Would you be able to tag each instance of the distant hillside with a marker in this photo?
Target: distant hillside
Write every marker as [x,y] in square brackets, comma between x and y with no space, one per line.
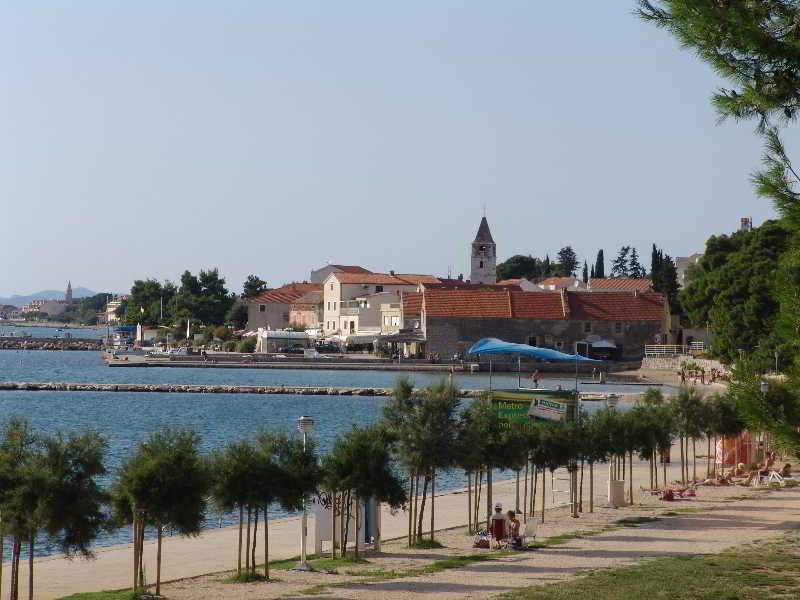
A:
[18,300]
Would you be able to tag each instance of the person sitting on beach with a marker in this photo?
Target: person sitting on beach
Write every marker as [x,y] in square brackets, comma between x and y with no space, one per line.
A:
[514,527]
[498,525]
[786,471]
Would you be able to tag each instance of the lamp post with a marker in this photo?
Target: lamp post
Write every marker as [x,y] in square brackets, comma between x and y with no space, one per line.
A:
[304,425]
[764,388]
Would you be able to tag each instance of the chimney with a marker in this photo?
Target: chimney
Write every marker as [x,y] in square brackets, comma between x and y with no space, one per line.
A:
[391,272]
[461,277]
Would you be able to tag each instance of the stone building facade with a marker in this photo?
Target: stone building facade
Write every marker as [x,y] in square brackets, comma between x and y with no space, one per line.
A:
[454,320]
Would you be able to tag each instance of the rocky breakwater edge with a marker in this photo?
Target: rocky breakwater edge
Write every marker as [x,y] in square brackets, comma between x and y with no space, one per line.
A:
[202,389]
[31,343]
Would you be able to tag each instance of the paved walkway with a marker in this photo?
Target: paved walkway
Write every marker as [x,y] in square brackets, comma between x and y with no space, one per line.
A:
[732,524]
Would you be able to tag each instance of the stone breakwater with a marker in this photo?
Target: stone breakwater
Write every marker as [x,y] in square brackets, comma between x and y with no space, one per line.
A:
[201,389]
[31,343]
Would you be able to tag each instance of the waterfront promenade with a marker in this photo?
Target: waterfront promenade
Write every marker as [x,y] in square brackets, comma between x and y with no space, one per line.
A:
[215,550]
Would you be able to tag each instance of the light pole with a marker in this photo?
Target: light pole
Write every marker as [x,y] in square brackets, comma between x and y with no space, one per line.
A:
[304,425]
[764,388]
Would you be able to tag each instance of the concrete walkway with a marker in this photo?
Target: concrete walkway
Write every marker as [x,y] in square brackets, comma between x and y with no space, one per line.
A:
[215,550]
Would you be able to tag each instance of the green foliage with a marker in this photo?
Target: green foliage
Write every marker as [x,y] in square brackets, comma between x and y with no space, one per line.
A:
[525,267]
[361,461]
[568,261]
[247,345]
[777,411]
[733,287]
[768,570]
[635,268]
[167,478]
[600,265]
[203,298]
[253,286]
[664,276]
[237,315]
[619,267]
[145,301]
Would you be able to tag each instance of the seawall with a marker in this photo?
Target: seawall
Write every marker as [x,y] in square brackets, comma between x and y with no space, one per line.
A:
[32,343]
[201,389]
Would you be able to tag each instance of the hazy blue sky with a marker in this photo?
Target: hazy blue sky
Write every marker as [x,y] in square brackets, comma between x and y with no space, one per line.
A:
[143,138]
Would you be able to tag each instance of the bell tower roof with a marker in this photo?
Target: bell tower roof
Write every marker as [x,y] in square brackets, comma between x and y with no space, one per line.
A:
[484,235]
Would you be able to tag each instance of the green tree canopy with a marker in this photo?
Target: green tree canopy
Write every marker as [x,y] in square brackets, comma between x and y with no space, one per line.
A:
[733,288]
[253,286]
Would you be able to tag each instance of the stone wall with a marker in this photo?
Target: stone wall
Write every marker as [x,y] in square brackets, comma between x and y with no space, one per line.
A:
[673,363]
[447,335]
[30,343]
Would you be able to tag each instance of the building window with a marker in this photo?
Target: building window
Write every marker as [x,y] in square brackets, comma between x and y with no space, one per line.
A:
[617,327]
[559,344]
[587,327]
[533,340]
[331,286]
[329,304]
[262,308]
[396,321]
[481,265]
[334,306]
[378,288]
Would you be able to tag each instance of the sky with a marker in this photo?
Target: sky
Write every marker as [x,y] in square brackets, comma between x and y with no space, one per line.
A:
[140,139]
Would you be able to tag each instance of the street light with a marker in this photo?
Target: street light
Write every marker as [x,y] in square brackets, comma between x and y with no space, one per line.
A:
[304,425]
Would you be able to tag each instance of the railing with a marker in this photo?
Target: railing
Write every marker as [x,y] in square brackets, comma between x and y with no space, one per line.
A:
[673,349]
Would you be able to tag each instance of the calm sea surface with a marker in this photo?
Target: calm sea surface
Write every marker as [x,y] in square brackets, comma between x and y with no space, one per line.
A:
[127,418]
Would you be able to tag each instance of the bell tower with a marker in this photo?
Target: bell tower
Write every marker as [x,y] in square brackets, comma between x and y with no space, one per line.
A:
[484,256]
[68,295]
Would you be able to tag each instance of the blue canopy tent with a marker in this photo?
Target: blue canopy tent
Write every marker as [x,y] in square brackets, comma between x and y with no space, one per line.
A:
[497,346]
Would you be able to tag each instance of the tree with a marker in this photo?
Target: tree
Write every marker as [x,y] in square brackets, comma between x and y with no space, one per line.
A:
[568,261]
[620,268]
[49,486]
[203,298]
[165,483]
[146,300]
[360,466]
[755,47]
[253,286]
[521,267]
[664,275]
[600,265]
[585,272]
[733,288]
[237,315]
[635,268]
[424,427]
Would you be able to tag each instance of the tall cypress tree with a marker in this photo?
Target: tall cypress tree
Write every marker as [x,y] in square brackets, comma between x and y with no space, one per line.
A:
[585,272]
[600,265]
[620,268]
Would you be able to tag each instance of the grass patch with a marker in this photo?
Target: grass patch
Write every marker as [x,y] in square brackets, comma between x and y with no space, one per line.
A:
[426,544]
[753,572]
[563,538]
[244,578]
[635,521]
[107,595]
[331,564]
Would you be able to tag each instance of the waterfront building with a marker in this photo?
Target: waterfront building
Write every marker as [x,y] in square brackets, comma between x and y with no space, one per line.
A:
[271,309]
[615,324]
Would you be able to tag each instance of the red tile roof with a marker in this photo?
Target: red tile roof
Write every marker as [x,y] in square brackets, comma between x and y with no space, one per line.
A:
[557,281]
[384,278]
[579,306]
[416,278]
[537,305]
[620,284]
[285,294]
[350,269]
[457,284]
[412,304]
[467,303]
[616,306]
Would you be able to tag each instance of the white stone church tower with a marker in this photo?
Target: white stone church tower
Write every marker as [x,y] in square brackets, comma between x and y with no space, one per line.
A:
[484,256]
